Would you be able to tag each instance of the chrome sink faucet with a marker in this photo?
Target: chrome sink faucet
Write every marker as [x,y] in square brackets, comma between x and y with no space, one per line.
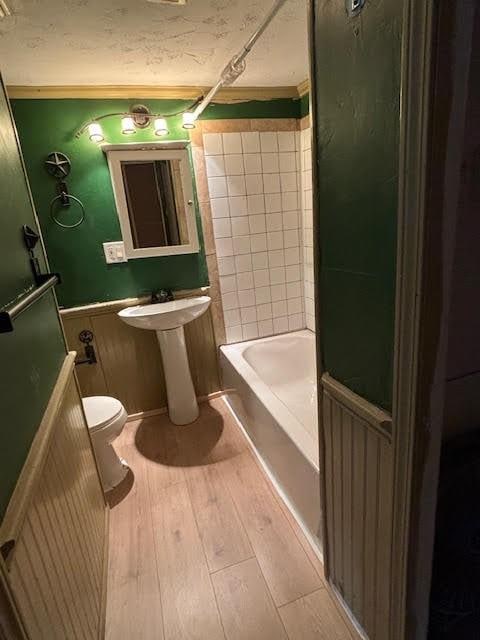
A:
[164,295]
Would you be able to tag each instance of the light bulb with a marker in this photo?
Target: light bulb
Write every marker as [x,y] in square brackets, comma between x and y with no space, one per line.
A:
[128,126]
[95,132]
[189,119]
[160,127]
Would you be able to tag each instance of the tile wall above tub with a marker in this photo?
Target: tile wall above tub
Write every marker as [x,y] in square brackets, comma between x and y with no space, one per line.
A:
[253,182]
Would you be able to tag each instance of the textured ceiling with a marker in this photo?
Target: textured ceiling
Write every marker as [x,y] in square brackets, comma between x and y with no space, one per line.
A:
[121,42]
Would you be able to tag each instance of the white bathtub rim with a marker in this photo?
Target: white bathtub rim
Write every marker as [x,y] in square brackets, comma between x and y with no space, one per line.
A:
[278,488]
[296,431]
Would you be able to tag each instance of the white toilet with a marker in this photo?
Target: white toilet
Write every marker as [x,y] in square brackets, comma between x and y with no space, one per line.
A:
[106,418]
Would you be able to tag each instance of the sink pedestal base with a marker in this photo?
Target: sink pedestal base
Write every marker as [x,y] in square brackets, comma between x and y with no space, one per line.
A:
[182,402]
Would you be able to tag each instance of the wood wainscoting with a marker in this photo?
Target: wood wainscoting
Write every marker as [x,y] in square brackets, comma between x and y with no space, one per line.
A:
[129,364]
[58,519]
[358,497]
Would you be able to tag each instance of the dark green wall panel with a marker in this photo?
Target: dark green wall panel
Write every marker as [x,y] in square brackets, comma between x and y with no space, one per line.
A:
[30,356]
[357,127]
[50,125]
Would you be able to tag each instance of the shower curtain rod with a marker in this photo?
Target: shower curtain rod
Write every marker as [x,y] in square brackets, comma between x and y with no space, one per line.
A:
[237,64]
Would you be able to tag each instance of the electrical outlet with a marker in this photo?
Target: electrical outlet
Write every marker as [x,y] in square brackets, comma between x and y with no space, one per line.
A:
[114,252]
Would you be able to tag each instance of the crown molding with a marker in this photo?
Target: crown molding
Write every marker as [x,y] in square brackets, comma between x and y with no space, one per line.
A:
[303,88]
[225,95]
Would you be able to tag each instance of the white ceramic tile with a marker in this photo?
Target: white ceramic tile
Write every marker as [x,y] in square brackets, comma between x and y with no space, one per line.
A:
[286,140]
[263,295]
[279,292]
[270,163]
[243,263]
[232,143]
[228,284]
[276,258]
[236,185]
[220,208]
[277,276]
[290,201]
[257,223]
[294,306]
[291,238]
[279,308]
[295,322]
[292,273]
[222,228]
[309,307]
[251,142]
[268,141]
[215,166]
[238,206]
[245,280]
[259,242]
[231,317]
[255,204]
[273,202]
[260,260]
[264,311]
[274,240]
[287,162]
[234,165]
[291,220]
[292,255]
[224,247]
[271,182]
[280,325]
[226,266]
[254,184]
[240,226]
[234,334]
[265,328]
[294,289]
[246,298]
[261,277]
[230,301]
[250,331]
[212,144]
[248,314]
[253,163]
[288,182]
[274,222]
[241,245]
[217,187]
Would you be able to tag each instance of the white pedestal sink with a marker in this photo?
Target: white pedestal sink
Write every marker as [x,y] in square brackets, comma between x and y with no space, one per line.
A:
[168,320]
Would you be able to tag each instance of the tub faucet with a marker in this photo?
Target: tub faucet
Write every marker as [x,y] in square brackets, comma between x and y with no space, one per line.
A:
[164,295]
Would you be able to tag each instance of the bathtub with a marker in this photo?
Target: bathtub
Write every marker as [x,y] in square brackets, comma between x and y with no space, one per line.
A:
[271,388]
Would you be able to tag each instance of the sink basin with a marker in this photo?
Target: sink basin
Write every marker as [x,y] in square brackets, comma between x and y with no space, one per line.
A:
[166,315]
[168,319]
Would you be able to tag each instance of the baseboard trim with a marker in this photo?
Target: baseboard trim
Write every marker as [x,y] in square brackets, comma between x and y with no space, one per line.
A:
[158,412]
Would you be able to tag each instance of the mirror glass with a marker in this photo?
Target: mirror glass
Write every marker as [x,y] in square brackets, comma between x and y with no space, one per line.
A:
[153,190]
[155,202]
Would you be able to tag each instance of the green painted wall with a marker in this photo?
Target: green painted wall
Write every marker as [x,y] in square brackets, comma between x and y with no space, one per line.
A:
[32,354]
[50,125]
[357,125]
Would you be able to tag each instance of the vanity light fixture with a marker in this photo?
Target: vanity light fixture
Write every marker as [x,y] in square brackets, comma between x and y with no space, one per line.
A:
[160,127]
[95,132]
[189,119]
[128,126]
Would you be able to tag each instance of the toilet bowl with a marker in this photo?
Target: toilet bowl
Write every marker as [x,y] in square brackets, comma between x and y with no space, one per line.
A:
[106,418]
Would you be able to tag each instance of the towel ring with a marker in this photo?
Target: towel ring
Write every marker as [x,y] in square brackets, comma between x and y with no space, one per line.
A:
[62,196]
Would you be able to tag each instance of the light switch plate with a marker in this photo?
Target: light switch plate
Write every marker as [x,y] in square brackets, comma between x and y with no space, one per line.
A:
[114,252]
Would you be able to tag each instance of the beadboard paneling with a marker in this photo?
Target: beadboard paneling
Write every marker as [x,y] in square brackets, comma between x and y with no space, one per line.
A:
[359,492]
[56,570]
[129,363]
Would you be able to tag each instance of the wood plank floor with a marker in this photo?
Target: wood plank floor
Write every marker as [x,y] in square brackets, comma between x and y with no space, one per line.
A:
[202,547]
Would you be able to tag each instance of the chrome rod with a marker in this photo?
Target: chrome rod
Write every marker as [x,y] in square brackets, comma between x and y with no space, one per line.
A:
[14,310]
[235,66]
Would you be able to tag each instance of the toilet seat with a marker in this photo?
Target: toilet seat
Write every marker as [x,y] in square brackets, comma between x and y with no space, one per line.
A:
[101,411]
